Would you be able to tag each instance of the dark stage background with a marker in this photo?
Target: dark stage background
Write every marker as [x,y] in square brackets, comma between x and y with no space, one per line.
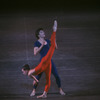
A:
[78,38]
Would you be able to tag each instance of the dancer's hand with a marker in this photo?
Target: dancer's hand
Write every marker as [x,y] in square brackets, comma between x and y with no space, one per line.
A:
[36,80]
[55,26]
[35,83]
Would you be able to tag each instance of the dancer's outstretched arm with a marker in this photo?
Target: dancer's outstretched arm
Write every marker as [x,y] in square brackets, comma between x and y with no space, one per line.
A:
[32,76]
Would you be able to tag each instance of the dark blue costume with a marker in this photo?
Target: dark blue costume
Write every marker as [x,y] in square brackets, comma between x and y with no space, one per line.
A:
[43,52]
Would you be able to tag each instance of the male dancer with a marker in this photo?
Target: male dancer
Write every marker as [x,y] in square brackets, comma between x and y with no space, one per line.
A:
[41,48]
[44,65]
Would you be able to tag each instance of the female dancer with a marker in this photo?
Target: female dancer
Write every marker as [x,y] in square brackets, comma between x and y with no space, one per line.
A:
[44,65]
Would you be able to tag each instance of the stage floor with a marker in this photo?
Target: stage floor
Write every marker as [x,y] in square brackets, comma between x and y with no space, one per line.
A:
[51,96]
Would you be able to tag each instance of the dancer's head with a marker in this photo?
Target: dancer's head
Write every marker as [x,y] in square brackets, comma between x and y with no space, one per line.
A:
[25,69]
[40,33]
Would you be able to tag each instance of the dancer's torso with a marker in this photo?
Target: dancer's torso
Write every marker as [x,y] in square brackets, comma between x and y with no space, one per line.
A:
[45,48]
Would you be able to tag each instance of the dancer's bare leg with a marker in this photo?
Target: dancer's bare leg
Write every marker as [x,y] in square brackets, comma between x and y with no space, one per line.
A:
[34,90]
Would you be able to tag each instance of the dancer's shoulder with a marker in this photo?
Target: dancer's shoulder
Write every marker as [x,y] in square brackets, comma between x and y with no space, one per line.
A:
[36,44]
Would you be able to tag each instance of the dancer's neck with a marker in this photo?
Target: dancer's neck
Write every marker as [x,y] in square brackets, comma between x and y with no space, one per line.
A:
[41,39]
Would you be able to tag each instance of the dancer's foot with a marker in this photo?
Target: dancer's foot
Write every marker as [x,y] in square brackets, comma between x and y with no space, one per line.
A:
[33,93]
[62,92]
[44,95]
[55,26]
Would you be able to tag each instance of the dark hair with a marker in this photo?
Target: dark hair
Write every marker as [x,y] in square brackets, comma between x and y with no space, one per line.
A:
[37,32]
[26,67]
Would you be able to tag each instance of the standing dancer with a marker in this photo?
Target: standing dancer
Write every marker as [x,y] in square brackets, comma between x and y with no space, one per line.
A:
[44,65]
